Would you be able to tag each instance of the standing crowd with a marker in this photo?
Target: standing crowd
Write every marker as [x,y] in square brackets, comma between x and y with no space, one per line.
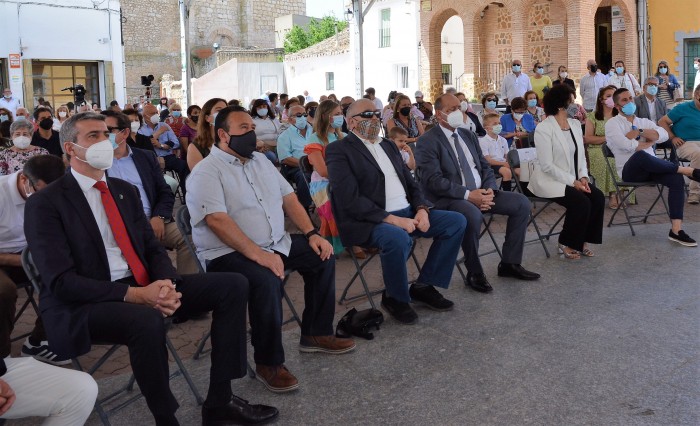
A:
[87,194]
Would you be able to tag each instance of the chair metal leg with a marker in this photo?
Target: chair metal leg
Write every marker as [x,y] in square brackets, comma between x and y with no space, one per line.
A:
[358,274]
[183,371]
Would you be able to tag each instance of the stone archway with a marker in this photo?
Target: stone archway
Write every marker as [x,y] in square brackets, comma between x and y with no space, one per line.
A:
[625,45]
[431,53]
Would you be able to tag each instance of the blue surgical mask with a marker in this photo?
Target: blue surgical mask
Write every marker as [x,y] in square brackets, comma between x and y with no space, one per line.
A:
[620,70]
[491,104]
[177,114]
[497,128]
[300,123]
[663,70]
[652,90]
[629,109]
[262,112]
[532,103]
[516,68]
[4,117]
[540,71]
[113,140]
[338,121]
[213,118]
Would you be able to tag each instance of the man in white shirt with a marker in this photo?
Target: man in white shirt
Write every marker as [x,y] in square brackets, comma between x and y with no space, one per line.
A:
[591,84]
[8,102]
[377,204]
[515,84]
[632,140]
[377,102]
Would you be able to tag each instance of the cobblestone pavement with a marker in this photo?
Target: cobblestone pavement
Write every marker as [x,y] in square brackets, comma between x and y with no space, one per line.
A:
[186,336]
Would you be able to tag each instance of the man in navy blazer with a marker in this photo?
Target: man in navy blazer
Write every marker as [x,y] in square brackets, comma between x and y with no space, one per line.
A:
[467,185]
[90,294]
[140,168]
[376,203]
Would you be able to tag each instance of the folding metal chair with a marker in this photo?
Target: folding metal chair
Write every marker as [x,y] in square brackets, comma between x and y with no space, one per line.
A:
[31,301]
[625,189]
[35,279]
[495,249]
[513,158]
[184,225]
[360,266]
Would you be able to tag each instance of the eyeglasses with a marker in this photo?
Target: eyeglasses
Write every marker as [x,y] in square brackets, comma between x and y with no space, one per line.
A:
[369,114]
[301,115]
[115,129]
[491,100]
[516,65]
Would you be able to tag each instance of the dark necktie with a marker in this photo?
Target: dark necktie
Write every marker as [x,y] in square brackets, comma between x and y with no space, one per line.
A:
[121,236]
[469,181]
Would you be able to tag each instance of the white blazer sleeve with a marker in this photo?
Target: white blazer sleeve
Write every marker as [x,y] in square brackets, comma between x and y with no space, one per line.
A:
[545,144]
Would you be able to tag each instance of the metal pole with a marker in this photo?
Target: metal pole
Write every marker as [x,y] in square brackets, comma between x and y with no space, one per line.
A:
[184,52]
[359,51]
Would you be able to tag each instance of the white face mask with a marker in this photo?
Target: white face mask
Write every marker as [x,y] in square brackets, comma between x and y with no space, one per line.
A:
[99,155]
[518,115]
[563,74]
[62,114]
[213,118]
[21,142]
[455,119]
[155,119]
[464,106]
[135,126]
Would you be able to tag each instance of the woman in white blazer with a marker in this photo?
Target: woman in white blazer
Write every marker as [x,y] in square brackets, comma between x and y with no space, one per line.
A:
[562,176]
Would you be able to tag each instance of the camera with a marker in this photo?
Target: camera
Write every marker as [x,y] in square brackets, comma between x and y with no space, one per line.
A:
[78,92]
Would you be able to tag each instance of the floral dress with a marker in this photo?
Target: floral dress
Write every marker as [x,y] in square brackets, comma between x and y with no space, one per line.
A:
[318,187]
[598,169]
[13,161]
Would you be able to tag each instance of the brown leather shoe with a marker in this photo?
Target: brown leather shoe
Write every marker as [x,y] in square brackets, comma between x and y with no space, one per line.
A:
[276,378]
[326,344]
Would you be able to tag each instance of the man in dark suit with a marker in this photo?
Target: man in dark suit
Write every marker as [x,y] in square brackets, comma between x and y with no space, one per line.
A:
[106,277]
[377,203]
[455,176]
[649,105]
[141,169]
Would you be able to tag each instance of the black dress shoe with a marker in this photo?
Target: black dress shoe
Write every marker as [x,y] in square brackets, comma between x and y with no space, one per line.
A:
[237,412]
[401,311]
[430,297]
[516,271]
[478,282]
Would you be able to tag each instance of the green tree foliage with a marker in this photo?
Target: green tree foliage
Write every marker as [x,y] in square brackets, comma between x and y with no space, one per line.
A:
[298,38]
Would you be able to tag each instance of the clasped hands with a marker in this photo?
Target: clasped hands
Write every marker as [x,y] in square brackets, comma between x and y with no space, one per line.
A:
[420,221]
[582,185]
[482,198]
[161,295]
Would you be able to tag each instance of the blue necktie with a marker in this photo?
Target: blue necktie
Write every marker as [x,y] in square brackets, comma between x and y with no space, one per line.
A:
[469,181]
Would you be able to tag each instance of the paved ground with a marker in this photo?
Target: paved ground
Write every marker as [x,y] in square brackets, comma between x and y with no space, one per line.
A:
[608,340]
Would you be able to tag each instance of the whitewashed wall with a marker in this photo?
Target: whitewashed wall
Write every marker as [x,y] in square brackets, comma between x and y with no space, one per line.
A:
[310,74]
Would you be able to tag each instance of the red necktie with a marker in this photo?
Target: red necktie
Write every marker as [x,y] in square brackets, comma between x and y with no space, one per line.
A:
[121,236]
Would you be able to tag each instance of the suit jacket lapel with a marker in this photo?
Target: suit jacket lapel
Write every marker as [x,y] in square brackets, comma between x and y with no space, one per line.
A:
[470,144]
[357,144]
[560,137]
[75,195]
[392,157]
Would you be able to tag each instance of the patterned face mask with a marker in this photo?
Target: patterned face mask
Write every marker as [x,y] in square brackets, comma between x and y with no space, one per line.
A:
[368,129]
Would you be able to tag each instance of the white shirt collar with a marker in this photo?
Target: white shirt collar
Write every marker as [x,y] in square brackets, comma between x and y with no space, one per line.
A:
[86,183]
[448,132]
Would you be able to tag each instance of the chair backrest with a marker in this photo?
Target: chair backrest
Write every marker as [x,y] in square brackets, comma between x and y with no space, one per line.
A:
[30,269]
[185,226]
[607,152]
[305,165]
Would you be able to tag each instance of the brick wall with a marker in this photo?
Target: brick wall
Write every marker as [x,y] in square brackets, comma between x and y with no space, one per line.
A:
[516,31]
[152,31]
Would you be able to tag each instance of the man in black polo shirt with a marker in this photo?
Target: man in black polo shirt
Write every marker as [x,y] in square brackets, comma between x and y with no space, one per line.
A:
[45,137]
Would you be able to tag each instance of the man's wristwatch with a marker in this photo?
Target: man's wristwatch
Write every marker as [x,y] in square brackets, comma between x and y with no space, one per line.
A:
[311,233]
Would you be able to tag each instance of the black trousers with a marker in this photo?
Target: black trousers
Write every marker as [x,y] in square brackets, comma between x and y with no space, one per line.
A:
[266,297]
[142,330]
[10,276]
[583,222]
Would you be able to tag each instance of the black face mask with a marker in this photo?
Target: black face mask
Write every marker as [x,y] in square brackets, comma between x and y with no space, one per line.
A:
[46,123]
[405,111]
[593,68]
[312,112]
[194,118]
[244,144]
[345,110]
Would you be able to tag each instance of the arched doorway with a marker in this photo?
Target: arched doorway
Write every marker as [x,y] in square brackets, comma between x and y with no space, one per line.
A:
[615,28]
[493,32]
[452,53]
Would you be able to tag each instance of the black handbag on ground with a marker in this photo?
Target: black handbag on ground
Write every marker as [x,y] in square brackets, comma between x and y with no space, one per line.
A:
[358,323]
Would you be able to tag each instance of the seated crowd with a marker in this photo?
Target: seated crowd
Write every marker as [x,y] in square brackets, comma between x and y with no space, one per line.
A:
[98,230]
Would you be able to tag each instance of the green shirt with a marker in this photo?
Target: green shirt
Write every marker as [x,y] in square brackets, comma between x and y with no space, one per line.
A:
[686,121]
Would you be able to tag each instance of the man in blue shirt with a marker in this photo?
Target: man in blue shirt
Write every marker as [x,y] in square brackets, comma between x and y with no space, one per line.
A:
[140,168]
[164,142]
[685,135]
[290,148]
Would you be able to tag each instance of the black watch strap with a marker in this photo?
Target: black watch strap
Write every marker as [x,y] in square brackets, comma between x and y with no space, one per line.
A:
[311,233]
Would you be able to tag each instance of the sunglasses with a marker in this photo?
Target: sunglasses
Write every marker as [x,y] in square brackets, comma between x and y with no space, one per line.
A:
[301,115]
[491,100]
[369,114]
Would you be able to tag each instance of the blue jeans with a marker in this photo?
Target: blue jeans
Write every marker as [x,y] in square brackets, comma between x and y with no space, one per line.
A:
[446,229]
[642,167]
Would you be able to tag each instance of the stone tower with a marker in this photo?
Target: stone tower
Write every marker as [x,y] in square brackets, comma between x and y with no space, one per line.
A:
[151,32]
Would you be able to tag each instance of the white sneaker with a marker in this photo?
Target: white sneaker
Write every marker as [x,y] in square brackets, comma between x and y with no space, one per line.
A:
[694,199]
